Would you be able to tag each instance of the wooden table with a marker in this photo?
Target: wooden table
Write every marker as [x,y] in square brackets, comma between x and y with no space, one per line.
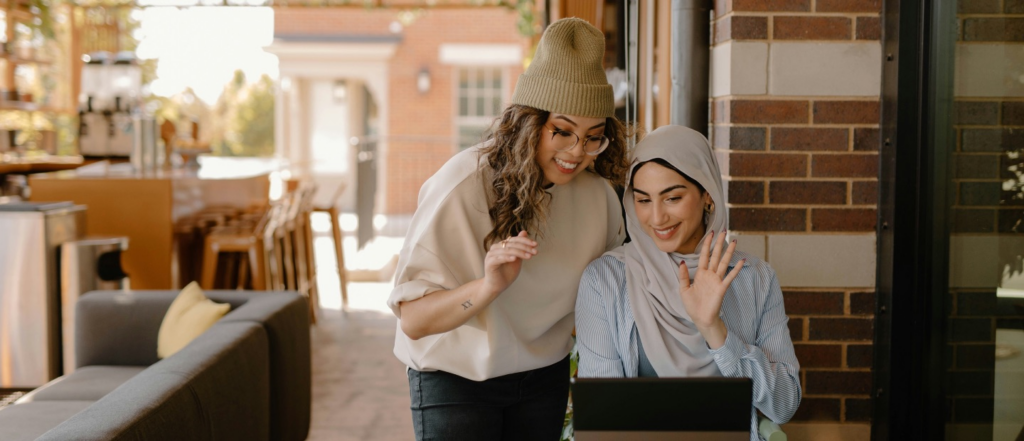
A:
[145,206]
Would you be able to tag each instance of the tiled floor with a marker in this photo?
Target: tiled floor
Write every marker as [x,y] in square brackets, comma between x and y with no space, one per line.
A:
[360,391]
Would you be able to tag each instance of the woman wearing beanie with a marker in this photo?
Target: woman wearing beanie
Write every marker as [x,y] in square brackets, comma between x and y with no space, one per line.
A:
[672,302]
[486,281]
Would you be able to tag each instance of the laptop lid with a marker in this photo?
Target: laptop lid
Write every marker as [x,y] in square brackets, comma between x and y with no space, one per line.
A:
[708,408]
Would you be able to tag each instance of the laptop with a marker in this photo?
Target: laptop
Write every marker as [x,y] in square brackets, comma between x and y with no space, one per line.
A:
[655,409]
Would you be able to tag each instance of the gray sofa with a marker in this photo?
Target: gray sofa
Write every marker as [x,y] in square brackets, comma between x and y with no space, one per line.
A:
[246,378]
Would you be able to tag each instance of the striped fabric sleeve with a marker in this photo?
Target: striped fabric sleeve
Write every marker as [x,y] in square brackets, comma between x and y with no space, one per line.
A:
[770,362]
[595,324]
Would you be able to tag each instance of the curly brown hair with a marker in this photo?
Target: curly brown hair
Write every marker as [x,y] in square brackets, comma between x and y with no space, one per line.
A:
[518,200]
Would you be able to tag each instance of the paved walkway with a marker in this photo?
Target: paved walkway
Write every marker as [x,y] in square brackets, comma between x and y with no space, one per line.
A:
[360,391]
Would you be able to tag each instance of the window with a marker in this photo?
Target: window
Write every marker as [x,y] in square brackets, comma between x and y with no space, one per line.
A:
[480,93]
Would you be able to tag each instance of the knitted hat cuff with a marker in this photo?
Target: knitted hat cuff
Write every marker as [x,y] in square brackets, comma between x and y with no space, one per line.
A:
[576,99]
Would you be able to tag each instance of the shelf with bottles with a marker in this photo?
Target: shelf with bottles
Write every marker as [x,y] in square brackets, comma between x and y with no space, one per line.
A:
[27,134]
[37,115]
[17,146]
[26,46]
[31,90]
[38,112]
[27,26]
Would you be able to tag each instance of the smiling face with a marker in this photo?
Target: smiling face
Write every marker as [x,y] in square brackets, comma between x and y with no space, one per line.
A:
[561,167]
[670,208]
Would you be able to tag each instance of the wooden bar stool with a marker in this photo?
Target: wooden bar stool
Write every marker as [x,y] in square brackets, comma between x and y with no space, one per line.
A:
[307,223]
[290,257]
[335,214]
[298,226]
[283,240]
[245,239]
[268,238]
[274,239]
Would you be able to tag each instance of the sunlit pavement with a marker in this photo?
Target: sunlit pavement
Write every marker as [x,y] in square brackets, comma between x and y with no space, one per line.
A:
[360,391]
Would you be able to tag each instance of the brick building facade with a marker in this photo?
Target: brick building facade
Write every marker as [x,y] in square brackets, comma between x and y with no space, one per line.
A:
[471,55]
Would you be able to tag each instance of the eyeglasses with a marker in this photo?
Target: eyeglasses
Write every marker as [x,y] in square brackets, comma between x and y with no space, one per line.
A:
[564,141]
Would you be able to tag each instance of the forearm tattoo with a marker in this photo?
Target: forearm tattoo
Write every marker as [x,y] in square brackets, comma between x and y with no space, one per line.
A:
[466,305]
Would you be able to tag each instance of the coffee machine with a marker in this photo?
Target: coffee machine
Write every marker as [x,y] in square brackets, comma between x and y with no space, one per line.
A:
[109,105]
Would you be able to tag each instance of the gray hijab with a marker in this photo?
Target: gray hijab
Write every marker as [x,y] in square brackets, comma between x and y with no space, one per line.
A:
[670,339]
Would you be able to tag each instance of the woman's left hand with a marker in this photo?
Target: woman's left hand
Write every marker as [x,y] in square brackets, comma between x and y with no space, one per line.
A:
[703,298]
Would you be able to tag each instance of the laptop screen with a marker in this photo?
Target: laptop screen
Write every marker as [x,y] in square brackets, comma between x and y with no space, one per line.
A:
[662,408]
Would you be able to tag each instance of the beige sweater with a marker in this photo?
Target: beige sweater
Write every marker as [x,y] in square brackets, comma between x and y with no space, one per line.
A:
[530,324]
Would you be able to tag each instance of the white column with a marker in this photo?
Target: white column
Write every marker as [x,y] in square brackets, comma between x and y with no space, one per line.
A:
[298,147]
[281,117]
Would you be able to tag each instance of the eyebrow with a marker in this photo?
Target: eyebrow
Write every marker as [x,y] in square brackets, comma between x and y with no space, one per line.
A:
[563,117]
[637,190]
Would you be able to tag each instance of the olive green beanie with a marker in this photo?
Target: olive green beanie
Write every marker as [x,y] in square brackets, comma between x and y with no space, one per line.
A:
[566,75]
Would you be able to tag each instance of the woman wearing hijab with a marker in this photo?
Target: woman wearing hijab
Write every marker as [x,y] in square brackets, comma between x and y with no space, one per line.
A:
[672,302]
[487,279]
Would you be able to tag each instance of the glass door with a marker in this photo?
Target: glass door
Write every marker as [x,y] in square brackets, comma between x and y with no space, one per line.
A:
[978,124]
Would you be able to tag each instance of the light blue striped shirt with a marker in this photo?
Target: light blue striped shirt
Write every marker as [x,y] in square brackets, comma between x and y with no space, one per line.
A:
[758,345]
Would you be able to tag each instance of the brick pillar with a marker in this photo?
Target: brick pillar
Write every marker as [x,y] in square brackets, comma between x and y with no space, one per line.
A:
[796,86]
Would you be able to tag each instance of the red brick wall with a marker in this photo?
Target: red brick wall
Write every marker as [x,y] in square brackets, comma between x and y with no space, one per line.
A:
[800,165]
[421,126]
[832,333]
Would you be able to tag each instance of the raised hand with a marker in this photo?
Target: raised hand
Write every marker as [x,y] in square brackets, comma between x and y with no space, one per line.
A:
[703,298]
[504,261]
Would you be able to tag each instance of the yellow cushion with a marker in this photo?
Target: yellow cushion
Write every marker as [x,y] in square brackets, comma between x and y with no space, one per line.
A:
[190,314]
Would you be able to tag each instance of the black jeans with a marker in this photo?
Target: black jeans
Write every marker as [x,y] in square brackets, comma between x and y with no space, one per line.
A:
[522,406]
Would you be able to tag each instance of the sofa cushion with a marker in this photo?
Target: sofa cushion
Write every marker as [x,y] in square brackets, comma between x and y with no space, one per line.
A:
[89,383]
[190,314]
[285,316]
[26,422]
[216,388]
[116,328]
[159,407]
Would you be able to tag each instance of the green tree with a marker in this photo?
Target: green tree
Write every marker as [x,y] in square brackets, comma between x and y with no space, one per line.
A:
[254,119]
[240,123]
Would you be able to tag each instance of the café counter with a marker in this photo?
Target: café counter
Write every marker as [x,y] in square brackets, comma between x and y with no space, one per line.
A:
[146,206]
